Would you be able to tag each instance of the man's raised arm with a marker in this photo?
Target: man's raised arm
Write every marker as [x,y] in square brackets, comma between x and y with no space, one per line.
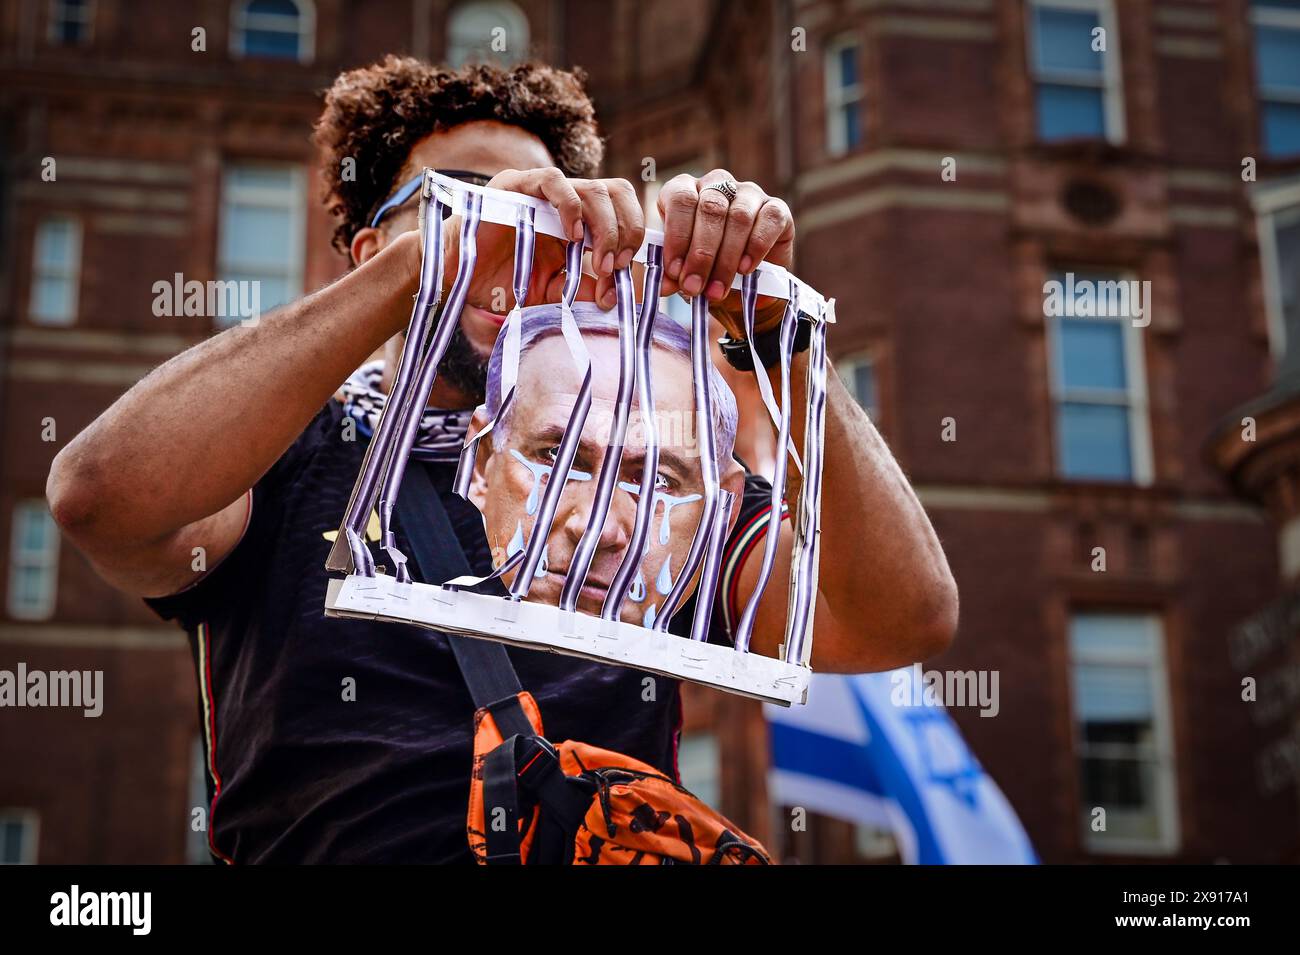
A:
[885,594]
[168,466]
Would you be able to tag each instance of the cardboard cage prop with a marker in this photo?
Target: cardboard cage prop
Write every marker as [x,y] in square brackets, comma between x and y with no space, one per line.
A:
[453,606]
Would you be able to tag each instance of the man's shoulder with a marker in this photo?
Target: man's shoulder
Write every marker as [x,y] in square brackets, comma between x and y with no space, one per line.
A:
[329,434]
[331,426]
[292,506]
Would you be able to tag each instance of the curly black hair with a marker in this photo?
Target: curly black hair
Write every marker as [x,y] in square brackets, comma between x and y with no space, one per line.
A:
[376,114]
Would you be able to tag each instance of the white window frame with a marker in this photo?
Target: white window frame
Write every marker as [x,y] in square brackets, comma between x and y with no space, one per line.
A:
[56,12]
[46,560]
[513,19]
[1139,419]
[31,823]
[1269,200]
[837,97]
[1112,76]
[1166,799]
[1277,19]
[293,201]
[847,366]
[70,273]
[241,21]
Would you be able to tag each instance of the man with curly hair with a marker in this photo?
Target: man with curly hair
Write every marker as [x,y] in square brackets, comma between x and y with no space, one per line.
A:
[213,487]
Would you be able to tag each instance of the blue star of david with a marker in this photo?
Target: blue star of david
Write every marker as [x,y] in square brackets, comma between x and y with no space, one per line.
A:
[928,725]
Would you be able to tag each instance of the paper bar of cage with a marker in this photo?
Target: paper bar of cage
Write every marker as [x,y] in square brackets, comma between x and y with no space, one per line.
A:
[706,592]
[701,362]
[613,460]
[781,418]
[645,503]
[411,412]
[525,240]
[350,552]
[369,593]
[807,544]
[535,549]
[749,305]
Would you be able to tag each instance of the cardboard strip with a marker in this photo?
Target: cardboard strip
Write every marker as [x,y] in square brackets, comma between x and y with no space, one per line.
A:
[789,323]
[803,565]
[413,408]
[568,448]
[350,552]
[701,365]
[580,563]
[523,272]
[645,505]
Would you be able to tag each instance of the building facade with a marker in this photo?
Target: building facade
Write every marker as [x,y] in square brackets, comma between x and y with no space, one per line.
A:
[946,161]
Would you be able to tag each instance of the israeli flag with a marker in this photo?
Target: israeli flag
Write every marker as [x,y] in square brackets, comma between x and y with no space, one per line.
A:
[853,754]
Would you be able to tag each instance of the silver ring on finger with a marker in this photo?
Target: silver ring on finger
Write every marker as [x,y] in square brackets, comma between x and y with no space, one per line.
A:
[727,187]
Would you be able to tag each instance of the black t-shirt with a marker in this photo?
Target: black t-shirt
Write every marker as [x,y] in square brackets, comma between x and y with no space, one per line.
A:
[337,740]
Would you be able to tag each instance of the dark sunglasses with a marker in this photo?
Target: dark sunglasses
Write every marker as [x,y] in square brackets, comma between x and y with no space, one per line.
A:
[403,195]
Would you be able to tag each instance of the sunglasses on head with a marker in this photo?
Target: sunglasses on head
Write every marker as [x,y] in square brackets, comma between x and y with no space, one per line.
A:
[402,195]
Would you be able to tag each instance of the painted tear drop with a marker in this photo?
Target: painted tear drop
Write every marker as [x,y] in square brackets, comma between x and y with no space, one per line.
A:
[664,579]
[539,471]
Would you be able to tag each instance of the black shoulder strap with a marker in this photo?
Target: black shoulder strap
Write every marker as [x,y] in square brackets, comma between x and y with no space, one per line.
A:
[485,665]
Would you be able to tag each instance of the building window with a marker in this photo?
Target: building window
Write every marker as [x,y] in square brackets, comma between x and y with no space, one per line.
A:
[1123,734]
[56,271]
[876,844]
[19,829]
[71,22]
[490,31]
[1077,87]
[858,373]
[262,235]
[699,763]
[844,94]
[1099,386]
[273,29]
[1277,219]
[1277,74]
[33,562]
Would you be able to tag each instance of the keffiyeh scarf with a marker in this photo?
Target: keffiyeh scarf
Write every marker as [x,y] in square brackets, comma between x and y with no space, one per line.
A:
[440,435]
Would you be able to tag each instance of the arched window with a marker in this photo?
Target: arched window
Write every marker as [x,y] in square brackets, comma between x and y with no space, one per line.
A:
[273,29]
[489,30]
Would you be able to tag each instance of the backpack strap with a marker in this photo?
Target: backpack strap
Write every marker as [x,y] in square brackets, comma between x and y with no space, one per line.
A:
[530,766]
[484,664]
[501,790]
[523,758]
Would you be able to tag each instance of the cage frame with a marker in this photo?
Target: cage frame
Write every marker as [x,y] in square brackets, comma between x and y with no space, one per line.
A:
[369,592]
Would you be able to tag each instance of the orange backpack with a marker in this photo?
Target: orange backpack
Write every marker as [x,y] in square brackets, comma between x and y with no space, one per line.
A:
[532,803]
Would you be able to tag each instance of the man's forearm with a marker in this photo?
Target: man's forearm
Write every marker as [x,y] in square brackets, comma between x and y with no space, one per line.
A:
[197,432]
[882,569]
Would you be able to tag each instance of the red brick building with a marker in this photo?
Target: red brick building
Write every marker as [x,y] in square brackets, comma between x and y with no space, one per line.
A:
[944,159]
